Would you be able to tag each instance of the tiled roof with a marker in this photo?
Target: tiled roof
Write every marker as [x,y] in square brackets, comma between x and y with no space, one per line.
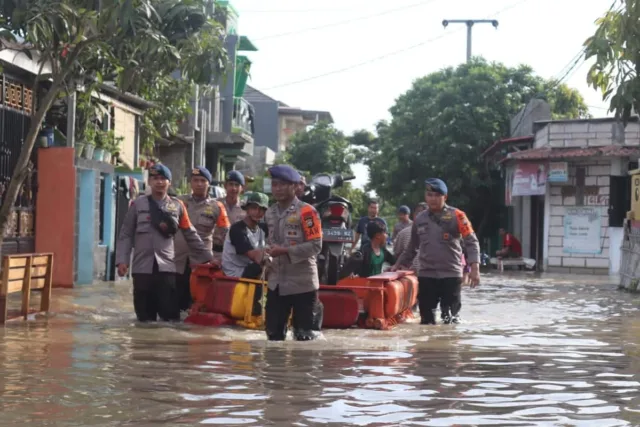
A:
[561,153]
[501,142]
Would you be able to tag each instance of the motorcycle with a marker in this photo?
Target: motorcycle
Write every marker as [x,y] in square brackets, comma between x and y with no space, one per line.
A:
[335,216]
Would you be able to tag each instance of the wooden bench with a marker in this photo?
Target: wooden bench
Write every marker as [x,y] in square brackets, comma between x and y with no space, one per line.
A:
[23,273]
[518,262]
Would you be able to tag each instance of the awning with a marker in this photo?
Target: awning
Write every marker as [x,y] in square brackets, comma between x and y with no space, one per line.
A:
[568,153]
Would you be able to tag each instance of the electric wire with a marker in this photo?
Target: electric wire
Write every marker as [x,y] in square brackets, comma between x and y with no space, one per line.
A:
[347,21]
[389,54]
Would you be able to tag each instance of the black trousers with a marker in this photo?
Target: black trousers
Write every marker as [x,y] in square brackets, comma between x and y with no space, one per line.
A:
[307,315]
[446,291]
[155,295]
[183,284]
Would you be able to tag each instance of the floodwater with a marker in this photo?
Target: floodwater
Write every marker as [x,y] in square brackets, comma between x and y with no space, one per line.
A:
[531,352]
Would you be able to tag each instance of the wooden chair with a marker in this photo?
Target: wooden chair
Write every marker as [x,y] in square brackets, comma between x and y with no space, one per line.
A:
[23,273]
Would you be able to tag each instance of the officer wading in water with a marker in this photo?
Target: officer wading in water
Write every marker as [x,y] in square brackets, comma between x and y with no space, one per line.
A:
[439,232]
[149,228]
[234,186]
[209,218]
[294,241]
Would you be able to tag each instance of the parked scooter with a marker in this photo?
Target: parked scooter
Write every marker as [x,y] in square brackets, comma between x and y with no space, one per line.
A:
[335,215]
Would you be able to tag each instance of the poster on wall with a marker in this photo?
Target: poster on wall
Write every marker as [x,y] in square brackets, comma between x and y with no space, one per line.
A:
[530,179]
[508,186]
[582,231]
[558,172]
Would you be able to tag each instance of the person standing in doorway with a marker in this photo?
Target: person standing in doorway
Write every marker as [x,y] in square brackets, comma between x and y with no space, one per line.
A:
[149,228]
[295,240]
[234,186]
[439,233]
[361,229]
[209,217]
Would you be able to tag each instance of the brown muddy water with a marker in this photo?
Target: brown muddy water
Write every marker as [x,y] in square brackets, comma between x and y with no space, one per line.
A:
[531,352]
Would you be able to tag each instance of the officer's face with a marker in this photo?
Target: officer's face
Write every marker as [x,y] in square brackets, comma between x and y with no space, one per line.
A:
[159,184]
[233,188]
[300,188]
[255,212]
[435,200]
[403,217]
[199,185]
[282,190]
[373,210]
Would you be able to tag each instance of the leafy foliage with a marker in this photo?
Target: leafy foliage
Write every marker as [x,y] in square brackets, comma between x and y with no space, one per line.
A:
[440,127]
[321,148]
[616,49]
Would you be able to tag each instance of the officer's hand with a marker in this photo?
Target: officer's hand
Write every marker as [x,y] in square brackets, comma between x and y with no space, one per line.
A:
[394,268]
[474,275]
[276,251]
[122,270]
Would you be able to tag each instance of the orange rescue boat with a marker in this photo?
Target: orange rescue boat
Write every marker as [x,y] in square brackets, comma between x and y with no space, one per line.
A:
[376,302]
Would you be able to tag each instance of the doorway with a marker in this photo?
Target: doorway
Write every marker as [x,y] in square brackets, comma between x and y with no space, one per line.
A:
[537,230]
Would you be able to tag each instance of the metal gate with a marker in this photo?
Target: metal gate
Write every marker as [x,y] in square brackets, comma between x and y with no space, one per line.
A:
[16,110]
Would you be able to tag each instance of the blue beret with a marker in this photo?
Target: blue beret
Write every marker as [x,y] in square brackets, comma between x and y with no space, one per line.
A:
[160,170]
[235,176]
[436,185]
[285,173]
[404,210]
[203,172]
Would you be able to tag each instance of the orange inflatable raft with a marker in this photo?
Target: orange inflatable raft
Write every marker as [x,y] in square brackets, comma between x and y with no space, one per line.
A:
[376,302]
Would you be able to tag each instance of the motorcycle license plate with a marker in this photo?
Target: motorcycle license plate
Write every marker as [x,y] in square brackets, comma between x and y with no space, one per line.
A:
[337,235]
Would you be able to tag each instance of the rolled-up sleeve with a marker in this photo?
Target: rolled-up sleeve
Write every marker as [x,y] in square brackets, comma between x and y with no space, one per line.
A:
[469,238]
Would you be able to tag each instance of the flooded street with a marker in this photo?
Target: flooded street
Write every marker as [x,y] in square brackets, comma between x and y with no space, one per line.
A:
[531,352]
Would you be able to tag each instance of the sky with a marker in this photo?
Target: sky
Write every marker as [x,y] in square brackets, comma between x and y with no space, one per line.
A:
[353,58]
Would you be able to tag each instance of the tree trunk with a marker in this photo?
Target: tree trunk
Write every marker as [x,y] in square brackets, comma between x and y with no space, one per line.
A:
[21,169]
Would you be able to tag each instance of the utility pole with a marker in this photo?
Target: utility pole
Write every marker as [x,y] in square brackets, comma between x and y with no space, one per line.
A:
[469,23]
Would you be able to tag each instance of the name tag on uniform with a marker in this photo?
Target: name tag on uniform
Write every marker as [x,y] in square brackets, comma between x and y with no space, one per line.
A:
[292,219]
[446,217]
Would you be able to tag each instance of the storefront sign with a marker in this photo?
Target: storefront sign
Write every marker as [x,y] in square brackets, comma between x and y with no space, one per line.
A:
[599,200]
[582,231]
[558,172]
[530,179]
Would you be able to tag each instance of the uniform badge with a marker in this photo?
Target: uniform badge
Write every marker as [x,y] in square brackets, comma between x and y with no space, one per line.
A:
[445,236]
[309,221]
[171,207]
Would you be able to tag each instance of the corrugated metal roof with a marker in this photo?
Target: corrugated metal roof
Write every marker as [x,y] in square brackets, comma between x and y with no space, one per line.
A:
[561,153]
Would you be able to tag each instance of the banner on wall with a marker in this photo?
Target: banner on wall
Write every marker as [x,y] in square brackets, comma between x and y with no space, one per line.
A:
[530,179]
[508,186]
[558,172]
[582,230]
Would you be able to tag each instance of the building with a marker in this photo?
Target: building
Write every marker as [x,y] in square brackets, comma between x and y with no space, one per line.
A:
[220,131]
[569,190]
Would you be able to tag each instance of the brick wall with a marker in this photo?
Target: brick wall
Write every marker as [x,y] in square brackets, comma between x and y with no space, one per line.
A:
[596,175]
[587,134]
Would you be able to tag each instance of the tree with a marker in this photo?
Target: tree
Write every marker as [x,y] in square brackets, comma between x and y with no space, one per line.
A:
[616,49]
[321,148]
[445,121]
[136,44]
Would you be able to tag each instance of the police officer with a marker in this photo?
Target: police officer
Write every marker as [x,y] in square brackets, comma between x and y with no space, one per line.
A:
[149,228]
[209,217]
[439,232]
[294,241]
[234,185]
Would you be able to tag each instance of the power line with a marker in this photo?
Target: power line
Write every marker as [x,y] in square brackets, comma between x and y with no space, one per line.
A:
[387,55]
[568,69]
[348,21]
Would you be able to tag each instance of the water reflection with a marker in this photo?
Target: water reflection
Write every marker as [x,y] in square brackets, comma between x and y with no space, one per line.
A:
[530,352]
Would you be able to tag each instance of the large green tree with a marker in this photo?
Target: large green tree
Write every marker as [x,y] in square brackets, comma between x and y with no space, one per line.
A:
[615,46]
[133,43]
[324,149]
[440,127]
